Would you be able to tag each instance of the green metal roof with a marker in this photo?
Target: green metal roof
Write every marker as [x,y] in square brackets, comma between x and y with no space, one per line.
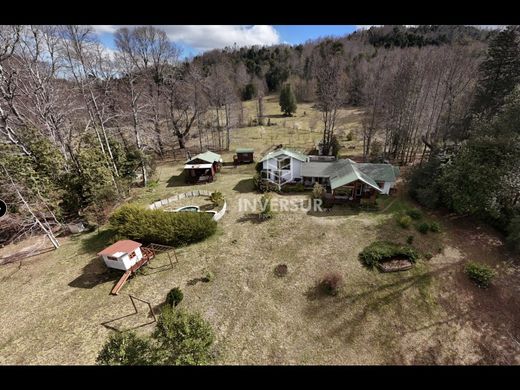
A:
[378,172]
[292,153]
[245,150]
[319,169]
[206,156]
[349,173]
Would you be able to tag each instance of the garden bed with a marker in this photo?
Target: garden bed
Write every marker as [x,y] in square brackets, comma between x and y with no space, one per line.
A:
[394,265]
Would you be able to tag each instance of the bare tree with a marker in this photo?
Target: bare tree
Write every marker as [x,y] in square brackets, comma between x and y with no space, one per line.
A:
[92,70]
[185,100]
[153,54]
[330,93]
[9,113]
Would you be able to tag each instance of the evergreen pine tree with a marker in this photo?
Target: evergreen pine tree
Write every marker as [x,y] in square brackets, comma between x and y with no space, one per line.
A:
[499,73]
[287,100]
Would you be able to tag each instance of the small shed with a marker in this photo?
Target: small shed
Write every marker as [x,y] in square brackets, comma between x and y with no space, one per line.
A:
[244,155]
[122,255]
[202,167]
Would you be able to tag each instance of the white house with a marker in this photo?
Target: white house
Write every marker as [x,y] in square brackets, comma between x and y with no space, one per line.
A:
[283,166]
[122,255]
[342,178]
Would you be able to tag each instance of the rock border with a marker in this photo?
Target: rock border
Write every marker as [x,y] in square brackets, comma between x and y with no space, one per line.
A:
[190,194]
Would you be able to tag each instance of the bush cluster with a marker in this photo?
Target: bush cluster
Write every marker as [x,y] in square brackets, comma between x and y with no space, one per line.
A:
[414,213]
[380,251]
[168,228]
[404,221]
[180,338]
[481,274]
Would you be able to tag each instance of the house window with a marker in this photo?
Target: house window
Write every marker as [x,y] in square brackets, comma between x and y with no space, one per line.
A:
[359,190]
[113,258]
[132,255]
[381,184]
[284,163]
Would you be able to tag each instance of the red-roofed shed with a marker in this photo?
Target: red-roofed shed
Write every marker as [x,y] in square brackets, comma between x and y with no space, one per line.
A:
[122,254]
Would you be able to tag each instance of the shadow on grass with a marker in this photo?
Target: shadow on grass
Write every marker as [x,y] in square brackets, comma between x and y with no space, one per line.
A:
[112,324]
[244,186]
[177,181]
[316,292]
[97,241]
[94,274]
[386,300]
[251,217]
[334,211]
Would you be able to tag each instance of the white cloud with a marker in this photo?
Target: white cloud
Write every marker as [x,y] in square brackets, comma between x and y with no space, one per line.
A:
[206,37]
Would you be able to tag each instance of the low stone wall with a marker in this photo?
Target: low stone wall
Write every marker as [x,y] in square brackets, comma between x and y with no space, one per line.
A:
[189,194]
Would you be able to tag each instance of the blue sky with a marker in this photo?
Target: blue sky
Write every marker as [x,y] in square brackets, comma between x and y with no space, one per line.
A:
[196,39]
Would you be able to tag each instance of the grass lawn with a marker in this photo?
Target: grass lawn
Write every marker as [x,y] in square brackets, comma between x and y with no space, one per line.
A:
[54,304]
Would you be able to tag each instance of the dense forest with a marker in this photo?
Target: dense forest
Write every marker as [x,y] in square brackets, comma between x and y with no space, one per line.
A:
[80,125]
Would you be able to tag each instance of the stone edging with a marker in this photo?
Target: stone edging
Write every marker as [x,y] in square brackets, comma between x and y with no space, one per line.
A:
[190,194]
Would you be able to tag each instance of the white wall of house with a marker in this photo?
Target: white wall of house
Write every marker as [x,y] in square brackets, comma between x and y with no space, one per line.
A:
[288,175]
[123,262]
[387,186]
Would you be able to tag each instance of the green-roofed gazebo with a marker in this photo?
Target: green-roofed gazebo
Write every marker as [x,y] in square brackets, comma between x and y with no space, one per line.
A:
[202,168]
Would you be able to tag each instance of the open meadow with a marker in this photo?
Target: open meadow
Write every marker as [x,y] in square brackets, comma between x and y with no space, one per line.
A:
[56,306]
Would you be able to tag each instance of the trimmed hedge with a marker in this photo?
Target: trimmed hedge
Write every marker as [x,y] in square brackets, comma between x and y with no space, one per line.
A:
[161,227]
[380,251]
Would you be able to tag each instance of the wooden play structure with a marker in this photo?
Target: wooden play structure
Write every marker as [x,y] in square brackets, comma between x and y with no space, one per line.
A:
[129,256]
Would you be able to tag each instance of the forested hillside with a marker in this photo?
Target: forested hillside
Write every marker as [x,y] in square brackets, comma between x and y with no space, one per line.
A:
[80,125]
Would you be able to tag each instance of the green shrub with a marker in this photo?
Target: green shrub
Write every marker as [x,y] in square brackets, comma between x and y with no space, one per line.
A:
[262,185]
[409,240]
[380,251]
[157,226]
[216,198]
[414,213]
[209,277]
[435,227]
[481,274]
[423,228]
[174,297]
[182,338]
[350,136]
[404,221]
[124,349]
[265,204]
[428,255]
[318,191]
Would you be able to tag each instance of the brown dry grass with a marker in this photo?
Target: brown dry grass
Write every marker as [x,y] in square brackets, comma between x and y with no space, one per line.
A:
[54,305]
